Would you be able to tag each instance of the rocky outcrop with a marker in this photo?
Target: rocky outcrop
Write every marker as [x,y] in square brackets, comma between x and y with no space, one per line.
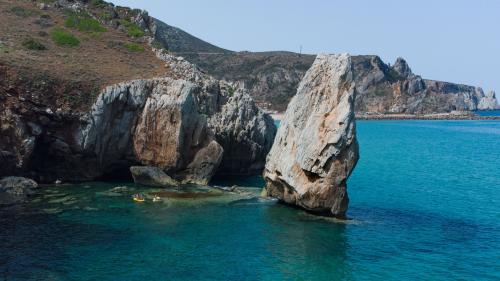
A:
[16,189]
[393,90]
[153,122]
[488,102]
[245,132]
[316,149]
[168,123]
[18,186]
[152,176]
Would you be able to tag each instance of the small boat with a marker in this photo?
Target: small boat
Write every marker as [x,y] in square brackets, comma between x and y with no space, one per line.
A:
[156,198]
[138,198]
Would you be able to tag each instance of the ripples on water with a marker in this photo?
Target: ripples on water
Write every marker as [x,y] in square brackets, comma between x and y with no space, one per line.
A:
[425,204]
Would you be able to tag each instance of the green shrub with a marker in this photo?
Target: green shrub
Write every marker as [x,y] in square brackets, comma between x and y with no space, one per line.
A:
[83,22]
[32,44]
[3,48]
[106,15]
[231,91]
[133,47]
[132,29]
[22,12]
[64,38]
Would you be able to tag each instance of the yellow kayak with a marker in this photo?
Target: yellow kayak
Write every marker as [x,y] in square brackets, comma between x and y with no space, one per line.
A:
[138,198]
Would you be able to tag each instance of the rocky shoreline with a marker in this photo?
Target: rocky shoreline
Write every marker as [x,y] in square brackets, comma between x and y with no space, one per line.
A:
[434,116]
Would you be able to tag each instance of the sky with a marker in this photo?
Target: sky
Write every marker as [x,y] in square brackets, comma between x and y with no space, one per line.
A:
[450,40]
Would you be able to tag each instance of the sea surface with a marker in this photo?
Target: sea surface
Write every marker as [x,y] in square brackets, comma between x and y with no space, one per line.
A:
[424,205]
[488,112]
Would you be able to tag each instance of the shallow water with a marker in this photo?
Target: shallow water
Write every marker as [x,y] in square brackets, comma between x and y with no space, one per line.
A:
[425,205]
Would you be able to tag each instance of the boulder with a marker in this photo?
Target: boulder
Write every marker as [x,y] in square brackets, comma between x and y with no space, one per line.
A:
[154,122]
[152,176]
[16,189]
[315,149]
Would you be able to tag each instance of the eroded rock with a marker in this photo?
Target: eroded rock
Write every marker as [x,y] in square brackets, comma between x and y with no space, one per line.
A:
[245,132]
[16,189]
[316,149]
[152,176]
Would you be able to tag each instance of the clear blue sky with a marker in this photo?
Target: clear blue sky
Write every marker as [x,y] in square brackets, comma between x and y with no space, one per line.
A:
[450,40]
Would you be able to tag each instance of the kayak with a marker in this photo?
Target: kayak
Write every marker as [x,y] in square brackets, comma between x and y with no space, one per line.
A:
[139,199]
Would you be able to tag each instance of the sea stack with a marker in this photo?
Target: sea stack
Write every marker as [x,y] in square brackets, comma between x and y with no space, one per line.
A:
[315,149]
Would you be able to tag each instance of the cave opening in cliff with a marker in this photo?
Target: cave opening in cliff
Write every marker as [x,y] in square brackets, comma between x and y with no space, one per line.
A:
[119,172]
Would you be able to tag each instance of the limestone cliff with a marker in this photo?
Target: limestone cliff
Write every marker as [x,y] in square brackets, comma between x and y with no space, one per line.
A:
[316,149]
[385,89]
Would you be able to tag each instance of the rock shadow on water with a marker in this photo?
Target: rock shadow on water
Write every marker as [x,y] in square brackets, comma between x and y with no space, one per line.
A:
[292,234]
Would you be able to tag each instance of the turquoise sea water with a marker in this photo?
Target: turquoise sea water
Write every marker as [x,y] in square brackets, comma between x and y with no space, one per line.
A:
[425,205]
[489,113]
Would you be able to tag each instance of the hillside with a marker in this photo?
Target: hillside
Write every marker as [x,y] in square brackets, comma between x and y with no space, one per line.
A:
[273,77]
[65,64]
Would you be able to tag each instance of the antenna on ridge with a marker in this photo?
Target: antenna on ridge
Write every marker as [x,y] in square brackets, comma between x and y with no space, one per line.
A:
[300,52]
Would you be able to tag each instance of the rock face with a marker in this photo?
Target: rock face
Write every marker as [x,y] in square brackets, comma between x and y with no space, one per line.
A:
[385,89]
[488,102]
[156,123]
[316,149]
[245,132]
[152,176]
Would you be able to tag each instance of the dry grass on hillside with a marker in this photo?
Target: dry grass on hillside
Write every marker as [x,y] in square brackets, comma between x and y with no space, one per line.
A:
[101,58]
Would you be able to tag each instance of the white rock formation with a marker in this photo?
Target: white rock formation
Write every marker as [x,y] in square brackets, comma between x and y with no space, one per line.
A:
[488,102]
[315,149]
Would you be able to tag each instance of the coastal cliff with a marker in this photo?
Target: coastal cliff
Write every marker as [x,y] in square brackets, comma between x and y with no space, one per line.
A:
[316,149]
[395,89]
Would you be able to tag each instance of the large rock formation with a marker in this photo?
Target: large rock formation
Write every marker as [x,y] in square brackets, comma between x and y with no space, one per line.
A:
[488,102]
[385,89]
[316,149]
[181,124]
[245,132]
[156,123]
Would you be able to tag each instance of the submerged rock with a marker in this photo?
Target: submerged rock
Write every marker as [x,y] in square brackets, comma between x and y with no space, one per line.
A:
[316,148]
[18,186]
[152,176]
[16,189]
